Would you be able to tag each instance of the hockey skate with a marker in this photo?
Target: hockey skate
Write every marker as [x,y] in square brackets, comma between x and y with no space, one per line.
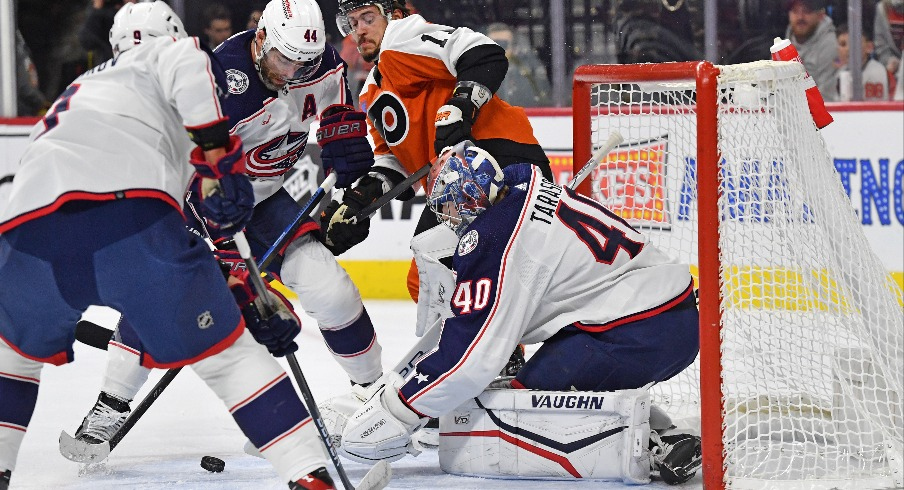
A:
[676,457]
[4,479]
[90,444]
[318,479]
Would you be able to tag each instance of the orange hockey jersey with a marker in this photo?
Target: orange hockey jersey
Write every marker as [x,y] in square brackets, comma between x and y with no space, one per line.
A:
[414,77]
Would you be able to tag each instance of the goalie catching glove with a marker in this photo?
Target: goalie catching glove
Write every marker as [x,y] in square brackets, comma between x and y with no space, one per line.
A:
[277,332]
[340,231]
[222,189]
[382,428]
[342,137]
[455,119]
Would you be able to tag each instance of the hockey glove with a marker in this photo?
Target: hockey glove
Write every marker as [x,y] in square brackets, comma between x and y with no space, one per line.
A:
[226,196]
[341,233]
[343,141]
[382,428]
[454,119]
[277,332]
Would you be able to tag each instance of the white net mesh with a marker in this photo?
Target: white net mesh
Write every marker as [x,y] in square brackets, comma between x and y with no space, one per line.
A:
[812,324]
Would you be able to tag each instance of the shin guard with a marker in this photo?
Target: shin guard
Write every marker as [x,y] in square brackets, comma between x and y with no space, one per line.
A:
[263,402]
[19,379]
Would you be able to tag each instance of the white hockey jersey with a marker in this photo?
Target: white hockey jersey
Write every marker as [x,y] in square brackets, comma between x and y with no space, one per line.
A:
[274,127]
[117,131]
[541,259]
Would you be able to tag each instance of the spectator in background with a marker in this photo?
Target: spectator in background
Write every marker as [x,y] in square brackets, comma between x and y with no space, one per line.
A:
[525,83]
[94,35]
[217,24]
[253,18]
[29,99]
[888,30]
[812,32]
[875,77]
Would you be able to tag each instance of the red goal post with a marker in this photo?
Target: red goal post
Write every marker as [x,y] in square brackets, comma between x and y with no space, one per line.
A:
[800,334]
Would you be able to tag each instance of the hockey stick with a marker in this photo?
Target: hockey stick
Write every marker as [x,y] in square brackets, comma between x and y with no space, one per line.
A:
[96,336]
[99,337]
[615,139]
[380,473]
[82,452]
[315,199]
[401,187]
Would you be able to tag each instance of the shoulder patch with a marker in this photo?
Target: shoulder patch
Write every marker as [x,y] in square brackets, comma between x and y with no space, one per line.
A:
[468,242]
[237,81]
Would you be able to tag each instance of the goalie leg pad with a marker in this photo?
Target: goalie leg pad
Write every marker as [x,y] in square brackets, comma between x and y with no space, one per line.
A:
[261,399]
[19,379]
[549,435]
[435,281]
[328,295]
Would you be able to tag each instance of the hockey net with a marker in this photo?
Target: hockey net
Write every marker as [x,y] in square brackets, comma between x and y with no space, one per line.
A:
[799,380]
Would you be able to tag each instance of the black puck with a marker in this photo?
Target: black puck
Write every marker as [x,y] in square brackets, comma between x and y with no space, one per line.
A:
[212,464]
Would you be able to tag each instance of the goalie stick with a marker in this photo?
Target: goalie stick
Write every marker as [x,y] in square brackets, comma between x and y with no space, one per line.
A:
[378,476]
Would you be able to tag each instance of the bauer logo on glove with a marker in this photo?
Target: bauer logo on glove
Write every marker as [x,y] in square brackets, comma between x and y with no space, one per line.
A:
[342,137]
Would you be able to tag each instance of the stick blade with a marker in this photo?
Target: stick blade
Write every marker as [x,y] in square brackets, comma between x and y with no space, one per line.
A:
[377,478]
[82,452]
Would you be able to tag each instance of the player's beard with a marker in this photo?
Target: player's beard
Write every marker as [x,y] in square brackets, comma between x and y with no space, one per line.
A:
[370,56]
[265,74]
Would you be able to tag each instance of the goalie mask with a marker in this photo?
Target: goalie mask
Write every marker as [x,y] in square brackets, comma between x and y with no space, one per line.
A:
[464,182]
[137,22]
[347,25]
[293,48]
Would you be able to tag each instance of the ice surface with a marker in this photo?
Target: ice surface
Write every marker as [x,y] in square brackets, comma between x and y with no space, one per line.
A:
[164,449]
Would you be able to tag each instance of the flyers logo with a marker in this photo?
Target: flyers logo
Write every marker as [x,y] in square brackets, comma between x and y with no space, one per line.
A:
[390,118]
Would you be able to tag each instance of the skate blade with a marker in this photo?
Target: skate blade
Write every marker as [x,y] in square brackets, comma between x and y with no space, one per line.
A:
[82,452]
[377,477]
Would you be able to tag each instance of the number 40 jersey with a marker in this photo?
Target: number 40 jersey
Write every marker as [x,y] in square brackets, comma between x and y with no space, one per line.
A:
[541,259]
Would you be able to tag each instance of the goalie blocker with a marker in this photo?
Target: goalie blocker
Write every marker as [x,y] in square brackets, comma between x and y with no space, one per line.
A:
[549,435]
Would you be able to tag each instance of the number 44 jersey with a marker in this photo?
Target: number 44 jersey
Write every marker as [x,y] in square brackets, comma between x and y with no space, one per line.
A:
[542,259]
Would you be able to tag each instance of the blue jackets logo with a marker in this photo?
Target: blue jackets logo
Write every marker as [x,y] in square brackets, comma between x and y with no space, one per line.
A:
[237,81]
[468,242]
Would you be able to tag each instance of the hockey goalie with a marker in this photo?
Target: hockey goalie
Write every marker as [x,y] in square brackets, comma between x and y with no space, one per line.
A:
[538,263]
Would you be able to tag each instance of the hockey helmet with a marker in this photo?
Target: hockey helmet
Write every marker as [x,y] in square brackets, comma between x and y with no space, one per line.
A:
[295,28]
[463,182]
[137,22]
[348,6]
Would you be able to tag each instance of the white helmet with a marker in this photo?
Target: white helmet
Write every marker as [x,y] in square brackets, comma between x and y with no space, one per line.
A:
[295,28]
[137,22]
